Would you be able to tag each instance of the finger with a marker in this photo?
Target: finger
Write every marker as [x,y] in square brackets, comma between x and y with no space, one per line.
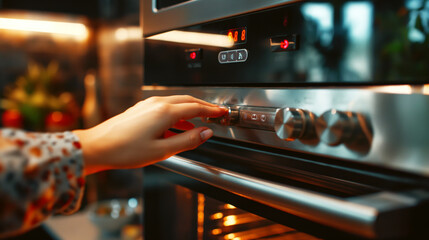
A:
[184,111]
[187,140]
[174,99]
[183,125]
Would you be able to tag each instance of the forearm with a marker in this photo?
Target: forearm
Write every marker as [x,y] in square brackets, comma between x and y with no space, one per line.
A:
[40,174]
[91,151]
[44,173]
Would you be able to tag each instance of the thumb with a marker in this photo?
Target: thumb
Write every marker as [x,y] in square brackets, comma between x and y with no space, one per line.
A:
[187,140]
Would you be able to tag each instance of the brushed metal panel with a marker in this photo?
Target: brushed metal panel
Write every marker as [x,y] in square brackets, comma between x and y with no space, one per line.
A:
[399,121]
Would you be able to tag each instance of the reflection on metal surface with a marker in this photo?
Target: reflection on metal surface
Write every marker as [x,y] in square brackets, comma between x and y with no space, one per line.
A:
[418,19]
[293,123]
[76,31]
[394,89]
[207,39]
[323,16]
[336,127]
[260,232]
[240,219]
[154,87]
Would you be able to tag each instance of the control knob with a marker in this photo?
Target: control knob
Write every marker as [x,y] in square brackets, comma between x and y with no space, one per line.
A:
[336,127]
[293,123]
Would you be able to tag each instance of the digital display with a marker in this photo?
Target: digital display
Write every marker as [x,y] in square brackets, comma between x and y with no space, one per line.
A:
[237,35]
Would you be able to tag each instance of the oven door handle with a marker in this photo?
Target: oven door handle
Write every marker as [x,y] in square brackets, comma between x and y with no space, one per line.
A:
[378,215]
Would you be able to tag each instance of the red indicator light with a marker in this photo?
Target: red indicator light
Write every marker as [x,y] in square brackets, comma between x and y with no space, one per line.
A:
[193,55]
[284,44]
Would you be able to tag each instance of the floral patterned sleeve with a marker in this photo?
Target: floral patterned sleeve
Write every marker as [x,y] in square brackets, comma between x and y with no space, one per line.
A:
[40,174]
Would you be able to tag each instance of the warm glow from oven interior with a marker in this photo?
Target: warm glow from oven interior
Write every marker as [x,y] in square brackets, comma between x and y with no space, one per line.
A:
[230,220]
[216,231]
[77,31]
[230,236]
[200,217]
[217,215]
[229,206]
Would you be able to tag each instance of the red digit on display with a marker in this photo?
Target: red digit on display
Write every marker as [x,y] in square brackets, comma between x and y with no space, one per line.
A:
[230,36]
[243,35]
[235,36]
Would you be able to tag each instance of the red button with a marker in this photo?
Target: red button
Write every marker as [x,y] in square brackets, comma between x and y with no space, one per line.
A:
[284,44]
[193,55]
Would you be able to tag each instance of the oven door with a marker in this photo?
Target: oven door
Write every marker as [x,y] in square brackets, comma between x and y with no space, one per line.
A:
[231,190]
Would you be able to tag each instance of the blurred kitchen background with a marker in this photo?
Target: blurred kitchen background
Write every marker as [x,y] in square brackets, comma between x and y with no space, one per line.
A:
[72,64]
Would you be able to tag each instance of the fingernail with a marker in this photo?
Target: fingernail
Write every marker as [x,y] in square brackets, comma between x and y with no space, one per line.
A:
[224,108]
[206,134]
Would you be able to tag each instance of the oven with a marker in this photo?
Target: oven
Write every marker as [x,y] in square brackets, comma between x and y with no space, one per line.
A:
[326,135]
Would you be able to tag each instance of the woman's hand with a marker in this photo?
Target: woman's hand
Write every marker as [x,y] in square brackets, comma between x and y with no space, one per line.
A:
[135,138]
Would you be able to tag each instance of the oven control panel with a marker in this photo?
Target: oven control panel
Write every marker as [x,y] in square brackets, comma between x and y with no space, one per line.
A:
[366,125]
[261,118]
[333,127]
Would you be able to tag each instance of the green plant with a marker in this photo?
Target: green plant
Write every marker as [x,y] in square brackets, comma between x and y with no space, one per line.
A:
[31,95]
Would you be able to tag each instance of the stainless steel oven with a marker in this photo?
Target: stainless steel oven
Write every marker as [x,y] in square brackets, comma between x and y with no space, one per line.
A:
[327,134]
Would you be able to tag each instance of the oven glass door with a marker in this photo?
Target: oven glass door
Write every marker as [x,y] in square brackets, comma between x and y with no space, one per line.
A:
[306,43]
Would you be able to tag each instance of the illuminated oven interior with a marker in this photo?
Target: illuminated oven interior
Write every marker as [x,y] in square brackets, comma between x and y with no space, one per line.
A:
[216,220]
